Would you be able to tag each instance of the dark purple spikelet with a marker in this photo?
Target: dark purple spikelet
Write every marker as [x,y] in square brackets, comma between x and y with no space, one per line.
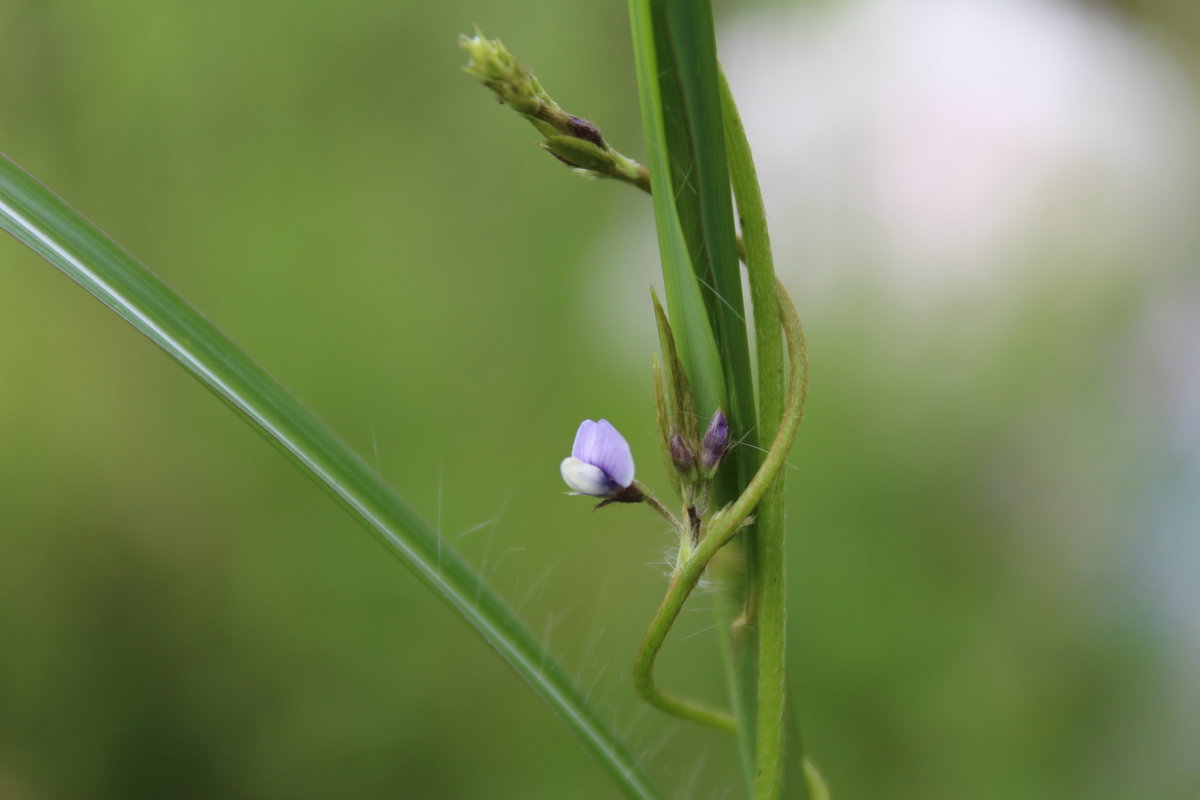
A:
[716,442]
[582,129]
[683,456]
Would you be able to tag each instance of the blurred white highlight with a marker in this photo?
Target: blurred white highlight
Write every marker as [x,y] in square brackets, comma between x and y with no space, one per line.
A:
[941,149]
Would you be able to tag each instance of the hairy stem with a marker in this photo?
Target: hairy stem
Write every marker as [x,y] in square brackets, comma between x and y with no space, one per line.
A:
[652,501]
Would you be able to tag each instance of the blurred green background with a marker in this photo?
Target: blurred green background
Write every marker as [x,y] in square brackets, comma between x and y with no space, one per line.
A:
[184,615]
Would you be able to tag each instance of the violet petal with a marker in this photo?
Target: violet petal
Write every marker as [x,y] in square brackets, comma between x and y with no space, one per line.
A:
[599,444]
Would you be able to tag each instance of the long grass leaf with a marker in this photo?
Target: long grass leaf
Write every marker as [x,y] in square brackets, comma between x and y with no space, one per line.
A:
[691,96]
[689,316]
[46,225]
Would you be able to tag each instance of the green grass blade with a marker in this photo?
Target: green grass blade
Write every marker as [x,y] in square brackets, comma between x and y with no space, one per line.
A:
[41,221]
[691,97]
[685,303]
[775,748]
[674,152]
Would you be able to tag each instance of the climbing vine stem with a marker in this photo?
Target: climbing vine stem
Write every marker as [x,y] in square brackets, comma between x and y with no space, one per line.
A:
[721,529]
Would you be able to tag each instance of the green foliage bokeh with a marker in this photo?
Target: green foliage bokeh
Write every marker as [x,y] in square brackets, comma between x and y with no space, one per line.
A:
[182,614]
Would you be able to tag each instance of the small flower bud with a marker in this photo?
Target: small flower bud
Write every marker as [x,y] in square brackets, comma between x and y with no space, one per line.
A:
[578,153]
[683,456]
[715,444]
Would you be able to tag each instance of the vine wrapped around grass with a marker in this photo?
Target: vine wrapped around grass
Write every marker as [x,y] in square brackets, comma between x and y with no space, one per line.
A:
[601,464]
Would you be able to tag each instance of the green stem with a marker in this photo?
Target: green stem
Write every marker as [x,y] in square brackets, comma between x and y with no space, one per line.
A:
[721,529]
[766,607]
[770,753]
[682,583]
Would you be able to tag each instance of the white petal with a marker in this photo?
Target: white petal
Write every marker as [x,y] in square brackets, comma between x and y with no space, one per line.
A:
[585,478]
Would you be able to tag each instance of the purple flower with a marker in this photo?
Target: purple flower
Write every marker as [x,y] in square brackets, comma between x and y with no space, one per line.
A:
[600,463]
